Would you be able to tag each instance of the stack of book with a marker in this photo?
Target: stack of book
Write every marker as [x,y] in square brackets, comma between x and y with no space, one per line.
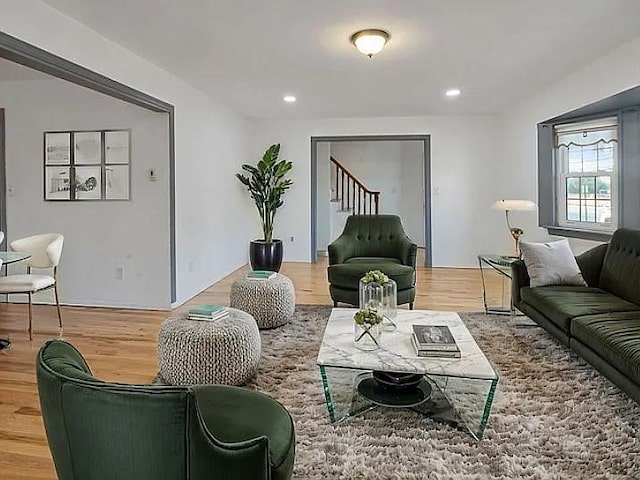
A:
[261,275]
[434,341]
[208,313]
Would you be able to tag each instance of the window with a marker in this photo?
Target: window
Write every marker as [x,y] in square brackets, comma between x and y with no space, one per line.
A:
[586,166]
[589,168]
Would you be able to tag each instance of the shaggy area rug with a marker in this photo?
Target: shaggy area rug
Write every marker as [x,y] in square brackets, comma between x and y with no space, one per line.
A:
[553,417]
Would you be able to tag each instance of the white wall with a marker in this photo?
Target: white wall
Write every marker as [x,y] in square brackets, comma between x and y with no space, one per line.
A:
[465,179]
[211,142]
[98,235]
[611,74]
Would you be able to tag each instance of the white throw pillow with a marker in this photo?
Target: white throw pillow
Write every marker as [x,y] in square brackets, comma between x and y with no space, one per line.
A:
[551,263]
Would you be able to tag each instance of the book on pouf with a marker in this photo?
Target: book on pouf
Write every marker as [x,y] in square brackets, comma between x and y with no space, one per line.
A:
[434,341]
[208,312]
[261,275]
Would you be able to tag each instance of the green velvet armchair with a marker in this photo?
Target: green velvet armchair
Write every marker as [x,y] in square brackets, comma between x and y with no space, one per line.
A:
[371,242]
[99,431]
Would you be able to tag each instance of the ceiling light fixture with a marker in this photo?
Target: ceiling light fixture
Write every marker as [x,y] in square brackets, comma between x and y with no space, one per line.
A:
[452,92]
[370,41]
[289,98]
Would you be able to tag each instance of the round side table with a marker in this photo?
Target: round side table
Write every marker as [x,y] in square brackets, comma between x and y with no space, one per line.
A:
[196,352]
[271,302]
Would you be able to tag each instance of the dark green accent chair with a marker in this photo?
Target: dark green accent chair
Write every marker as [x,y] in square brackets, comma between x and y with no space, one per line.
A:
[107,431]
[600,322]
[372,242]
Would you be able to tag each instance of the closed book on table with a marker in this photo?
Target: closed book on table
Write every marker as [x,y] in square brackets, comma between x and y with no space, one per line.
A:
[208,310]
[434,338]
[261,274]
[434,353]
[209,318]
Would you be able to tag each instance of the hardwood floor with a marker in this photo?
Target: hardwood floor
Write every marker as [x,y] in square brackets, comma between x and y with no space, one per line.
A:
[120,345]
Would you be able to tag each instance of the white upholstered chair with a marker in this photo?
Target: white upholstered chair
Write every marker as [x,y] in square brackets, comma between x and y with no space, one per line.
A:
[45,251]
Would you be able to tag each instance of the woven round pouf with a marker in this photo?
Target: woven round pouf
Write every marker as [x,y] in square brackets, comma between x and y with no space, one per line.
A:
[196,352]
[271,302]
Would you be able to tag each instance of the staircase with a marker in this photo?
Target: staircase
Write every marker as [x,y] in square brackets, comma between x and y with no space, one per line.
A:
[348,196]
[350,193]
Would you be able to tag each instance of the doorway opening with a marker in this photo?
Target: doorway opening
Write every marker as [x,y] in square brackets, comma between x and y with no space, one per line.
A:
[23,53]
[370,174]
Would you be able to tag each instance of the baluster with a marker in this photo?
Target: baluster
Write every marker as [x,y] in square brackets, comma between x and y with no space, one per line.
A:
[342,191]
[337,181]
[356,198]
[353,196]
[348,182]
[348,193]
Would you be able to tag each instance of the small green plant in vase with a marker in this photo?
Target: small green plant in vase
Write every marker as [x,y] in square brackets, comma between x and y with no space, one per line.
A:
[375,276]
[378,292]
[367,323]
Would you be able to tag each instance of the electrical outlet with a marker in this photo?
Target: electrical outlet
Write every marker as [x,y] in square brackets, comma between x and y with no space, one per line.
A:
[292,238]
[120,272]
[190,266]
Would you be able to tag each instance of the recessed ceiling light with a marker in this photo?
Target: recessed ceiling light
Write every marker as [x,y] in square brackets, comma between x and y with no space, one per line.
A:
[452,92]
[370,41]
[289,98]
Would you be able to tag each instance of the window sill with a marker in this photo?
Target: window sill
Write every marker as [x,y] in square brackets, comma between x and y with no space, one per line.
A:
[577,233]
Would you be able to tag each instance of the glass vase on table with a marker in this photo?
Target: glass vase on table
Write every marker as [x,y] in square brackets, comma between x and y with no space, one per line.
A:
[367,329]
[389,305]
[381,297]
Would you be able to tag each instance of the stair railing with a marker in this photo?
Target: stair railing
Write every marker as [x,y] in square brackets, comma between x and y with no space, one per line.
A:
[352,194]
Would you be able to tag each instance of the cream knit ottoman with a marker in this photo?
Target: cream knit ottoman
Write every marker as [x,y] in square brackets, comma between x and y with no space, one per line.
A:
[193,352]
[270,302]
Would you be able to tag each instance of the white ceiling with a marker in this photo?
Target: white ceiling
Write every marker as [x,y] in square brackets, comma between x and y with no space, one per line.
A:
[14,72]
[249,53]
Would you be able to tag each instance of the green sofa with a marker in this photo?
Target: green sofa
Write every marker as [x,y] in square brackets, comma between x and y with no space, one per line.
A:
[371,242]
[106,431]
[600,322]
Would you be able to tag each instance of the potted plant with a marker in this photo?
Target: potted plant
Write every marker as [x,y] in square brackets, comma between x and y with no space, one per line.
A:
[367,329]
[379,292]
[266,183]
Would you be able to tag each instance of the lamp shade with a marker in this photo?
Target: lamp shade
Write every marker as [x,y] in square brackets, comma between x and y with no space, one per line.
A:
[370,41]
[514,205]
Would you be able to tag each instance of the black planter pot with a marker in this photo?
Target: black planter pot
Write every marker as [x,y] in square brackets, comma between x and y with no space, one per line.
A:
[265,256]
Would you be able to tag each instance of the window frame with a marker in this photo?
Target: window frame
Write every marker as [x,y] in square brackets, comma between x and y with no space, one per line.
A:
[624,105]
[561,173]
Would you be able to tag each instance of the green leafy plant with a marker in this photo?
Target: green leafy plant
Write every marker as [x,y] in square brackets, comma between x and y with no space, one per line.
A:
[367,318]
[375,276]
[266,183]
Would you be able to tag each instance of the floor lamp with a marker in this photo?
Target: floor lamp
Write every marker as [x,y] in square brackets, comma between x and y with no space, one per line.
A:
[514,206]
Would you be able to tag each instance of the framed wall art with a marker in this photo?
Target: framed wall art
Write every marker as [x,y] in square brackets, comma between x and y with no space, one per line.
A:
[87,165]
[57,148]
[87,148]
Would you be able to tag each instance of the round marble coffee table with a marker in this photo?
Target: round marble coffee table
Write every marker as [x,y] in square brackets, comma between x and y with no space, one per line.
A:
[195,352]
[270,302]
